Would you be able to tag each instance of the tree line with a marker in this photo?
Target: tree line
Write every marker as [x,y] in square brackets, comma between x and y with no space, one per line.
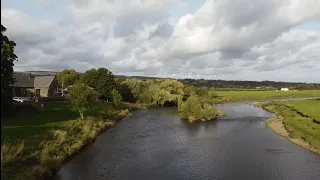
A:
[194,103]
[218,84]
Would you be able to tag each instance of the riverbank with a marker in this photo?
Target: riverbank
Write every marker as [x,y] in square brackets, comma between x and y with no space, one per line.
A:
[296,126]
[35,146]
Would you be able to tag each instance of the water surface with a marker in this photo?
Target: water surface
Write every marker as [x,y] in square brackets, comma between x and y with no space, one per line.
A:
[155,144]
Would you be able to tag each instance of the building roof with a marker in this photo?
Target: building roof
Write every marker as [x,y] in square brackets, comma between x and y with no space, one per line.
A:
[23,81]
[43,81]
[28,81]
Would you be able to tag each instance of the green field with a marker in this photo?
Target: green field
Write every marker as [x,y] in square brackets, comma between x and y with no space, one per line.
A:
[32,126]
[35,144]
[298,119]
[247,95]
[307,107]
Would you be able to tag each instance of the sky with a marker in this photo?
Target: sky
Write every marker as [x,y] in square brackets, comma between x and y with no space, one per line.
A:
[211,39]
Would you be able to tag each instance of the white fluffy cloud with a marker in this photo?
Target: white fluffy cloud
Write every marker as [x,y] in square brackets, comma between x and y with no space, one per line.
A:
[223,39]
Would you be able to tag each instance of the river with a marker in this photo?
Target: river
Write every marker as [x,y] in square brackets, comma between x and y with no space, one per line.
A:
[154,144]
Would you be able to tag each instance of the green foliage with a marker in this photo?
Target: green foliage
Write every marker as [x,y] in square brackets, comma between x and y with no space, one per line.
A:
[152,93]
[202,91]
[166,91]
[188,91]
[67,77]
[133,88]
[101,79]
[253,85]
[81,98]
[116,97]
[193,110]
[7,62]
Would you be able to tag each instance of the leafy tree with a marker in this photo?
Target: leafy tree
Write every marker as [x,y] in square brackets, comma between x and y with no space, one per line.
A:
[132,88]
[7,62]
[167,91]
[188,91]
[81,98]
[116,97]
[202,91]
[193,110]
[101,79]
[67,77]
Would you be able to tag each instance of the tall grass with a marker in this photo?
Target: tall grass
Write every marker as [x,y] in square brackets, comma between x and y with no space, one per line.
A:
[51,137]
[10,152]
[58,145]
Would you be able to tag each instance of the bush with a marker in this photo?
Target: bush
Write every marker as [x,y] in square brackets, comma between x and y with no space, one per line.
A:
[209,112]
[193,110]
[116,97]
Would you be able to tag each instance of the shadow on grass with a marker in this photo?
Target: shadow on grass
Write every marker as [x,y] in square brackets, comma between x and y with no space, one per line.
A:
[53,116]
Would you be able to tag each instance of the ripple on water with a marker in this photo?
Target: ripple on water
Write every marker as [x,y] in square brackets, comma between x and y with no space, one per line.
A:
[156,144]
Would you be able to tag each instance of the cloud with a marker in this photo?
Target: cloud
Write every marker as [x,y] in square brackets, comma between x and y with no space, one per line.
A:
[223,39]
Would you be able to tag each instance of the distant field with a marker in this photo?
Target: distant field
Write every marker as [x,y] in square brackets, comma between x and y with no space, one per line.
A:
[307,107]
[243,95]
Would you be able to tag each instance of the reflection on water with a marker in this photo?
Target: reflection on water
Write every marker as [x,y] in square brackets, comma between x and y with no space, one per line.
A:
[155,144]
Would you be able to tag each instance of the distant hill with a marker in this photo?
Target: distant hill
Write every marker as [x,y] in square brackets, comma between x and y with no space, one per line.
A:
[215,83]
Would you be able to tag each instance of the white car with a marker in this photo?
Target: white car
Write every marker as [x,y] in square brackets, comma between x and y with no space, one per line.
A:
[18,99]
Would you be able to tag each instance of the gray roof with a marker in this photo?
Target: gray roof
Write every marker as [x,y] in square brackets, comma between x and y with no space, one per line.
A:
[23,81]
[43,81]
[34,81]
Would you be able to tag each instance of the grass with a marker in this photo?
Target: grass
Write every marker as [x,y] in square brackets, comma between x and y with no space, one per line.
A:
[298,125]
[309,108]
[37,144]
[247,95]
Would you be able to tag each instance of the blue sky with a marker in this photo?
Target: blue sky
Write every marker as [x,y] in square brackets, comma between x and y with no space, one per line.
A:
[56,9]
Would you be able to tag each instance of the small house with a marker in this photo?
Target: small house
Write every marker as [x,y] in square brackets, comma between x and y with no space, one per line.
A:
[35,85]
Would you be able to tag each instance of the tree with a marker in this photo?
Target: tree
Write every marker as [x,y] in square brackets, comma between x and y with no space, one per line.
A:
[7,62]
[102,80]
[81,98]
[67,77]
[116,97]
[202,91]
[132,88]
[167,92]
[194,110]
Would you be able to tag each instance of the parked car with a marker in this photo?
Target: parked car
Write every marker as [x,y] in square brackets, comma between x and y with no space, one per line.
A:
[18,100]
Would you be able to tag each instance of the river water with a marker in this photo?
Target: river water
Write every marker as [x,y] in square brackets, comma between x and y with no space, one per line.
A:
[154,144]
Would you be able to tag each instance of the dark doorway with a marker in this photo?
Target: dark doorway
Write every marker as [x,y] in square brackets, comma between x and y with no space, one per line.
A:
[38,92]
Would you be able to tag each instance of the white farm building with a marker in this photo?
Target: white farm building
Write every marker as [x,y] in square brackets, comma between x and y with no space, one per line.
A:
[284,89]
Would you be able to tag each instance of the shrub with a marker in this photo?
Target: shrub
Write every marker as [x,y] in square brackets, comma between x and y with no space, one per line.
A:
[81,98]
[193,110]
[116,97]
[208,112]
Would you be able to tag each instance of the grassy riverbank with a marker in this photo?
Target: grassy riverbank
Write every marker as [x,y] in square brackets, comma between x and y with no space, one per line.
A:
[35,146]
[225,96]
[296,121]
